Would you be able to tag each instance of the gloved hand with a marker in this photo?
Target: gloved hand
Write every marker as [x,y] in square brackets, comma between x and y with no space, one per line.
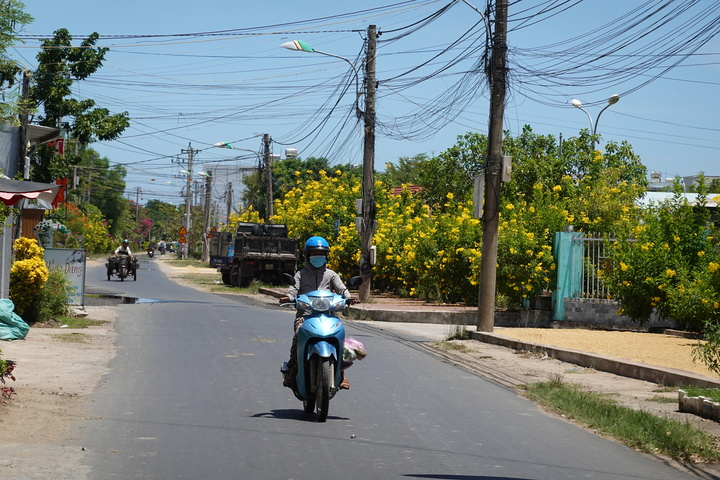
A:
[352,301]
[285,299]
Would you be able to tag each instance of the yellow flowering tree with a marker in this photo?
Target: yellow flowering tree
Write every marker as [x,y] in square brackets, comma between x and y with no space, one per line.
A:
[323,206]
[428,254]
[248,215]
[429,243]
[87,226]
[668,264]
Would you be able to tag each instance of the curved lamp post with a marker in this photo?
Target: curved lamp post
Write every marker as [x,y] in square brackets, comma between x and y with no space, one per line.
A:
[268,176]
[593,126]
[300,46]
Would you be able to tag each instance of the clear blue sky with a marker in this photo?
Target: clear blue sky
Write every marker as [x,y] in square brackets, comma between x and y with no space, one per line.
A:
[230,81]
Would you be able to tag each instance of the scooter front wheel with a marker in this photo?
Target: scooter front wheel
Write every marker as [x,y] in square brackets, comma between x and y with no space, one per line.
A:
[309,405]
[322,391]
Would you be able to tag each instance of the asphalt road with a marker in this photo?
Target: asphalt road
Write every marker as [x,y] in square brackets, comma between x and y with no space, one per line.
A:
[195,393]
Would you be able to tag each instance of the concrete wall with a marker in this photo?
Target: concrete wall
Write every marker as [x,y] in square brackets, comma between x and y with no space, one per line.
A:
[593,313]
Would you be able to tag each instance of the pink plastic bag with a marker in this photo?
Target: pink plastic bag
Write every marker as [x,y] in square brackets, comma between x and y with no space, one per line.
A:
[353,350]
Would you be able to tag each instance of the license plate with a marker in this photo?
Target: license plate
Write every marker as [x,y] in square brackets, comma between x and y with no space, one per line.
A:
[269,266]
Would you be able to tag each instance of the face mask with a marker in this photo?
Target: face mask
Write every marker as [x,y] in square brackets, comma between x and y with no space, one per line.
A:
[318,261]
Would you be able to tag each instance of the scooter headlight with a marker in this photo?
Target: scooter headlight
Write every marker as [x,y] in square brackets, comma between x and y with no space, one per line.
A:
[320,304]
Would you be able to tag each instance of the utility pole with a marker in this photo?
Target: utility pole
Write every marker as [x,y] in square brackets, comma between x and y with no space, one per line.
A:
[208,197]
[368,182]
[229,202]
[23,165]
[269,210]
[497,75]
[188,198]
[137,203]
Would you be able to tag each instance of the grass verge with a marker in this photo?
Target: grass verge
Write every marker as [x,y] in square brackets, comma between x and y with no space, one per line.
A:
[449,345]
[70,321]
[73,337]
[636,428]
[711,393]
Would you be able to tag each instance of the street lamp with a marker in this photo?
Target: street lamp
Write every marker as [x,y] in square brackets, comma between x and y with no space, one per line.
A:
[300,46]
[268,175]
[367,225]
[593,126]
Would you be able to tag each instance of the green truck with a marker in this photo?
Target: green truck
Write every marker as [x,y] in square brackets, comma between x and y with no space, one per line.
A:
[256,251]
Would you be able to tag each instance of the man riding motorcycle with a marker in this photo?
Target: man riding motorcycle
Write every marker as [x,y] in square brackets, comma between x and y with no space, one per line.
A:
[123,249]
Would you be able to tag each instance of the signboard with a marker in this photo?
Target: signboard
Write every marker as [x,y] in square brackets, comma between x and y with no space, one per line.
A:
[182,239]
[72,263]
[182,231]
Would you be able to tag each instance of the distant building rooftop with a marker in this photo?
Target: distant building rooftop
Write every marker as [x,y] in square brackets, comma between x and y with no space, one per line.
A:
[411,188]
[659,197]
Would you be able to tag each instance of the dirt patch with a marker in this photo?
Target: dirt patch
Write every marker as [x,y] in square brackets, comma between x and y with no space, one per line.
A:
[651,348]
[55,369]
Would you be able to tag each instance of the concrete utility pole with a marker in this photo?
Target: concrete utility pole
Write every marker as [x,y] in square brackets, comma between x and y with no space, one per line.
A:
[368,184]
[23,165]
[206,230]
[188,197]
[137,203]
[269,210]
[229,194]
[497,75]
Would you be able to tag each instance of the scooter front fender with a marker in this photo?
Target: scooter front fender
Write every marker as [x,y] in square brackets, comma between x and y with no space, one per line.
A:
[322,349]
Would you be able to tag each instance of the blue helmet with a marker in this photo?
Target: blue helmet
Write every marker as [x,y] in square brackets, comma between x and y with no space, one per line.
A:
[317,243]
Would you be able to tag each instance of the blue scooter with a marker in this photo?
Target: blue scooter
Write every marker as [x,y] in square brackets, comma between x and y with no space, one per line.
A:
[319,348]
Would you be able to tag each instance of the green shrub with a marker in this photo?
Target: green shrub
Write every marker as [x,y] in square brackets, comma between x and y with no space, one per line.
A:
[52,300]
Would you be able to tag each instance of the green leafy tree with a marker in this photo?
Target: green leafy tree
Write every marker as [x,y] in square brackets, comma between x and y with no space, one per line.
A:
[405,172]
[166,219]
[12,19]
[454,170]
[59,65]
[101,185]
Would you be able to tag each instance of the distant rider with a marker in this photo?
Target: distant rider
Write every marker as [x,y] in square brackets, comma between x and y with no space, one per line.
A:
[123,249]
[314,276]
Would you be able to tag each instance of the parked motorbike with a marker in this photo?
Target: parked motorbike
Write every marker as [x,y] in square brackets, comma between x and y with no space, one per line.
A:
[319,348]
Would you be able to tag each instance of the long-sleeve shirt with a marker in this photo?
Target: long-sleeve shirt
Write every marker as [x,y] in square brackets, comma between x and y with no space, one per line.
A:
[123,251]
[311,278]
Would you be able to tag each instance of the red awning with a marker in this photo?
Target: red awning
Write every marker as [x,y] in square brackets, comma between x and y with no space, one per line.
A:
[12,191]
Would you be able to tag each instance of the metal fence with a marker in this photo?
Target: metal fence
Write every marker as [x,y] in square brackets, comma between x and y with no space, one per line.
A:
[594,260]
